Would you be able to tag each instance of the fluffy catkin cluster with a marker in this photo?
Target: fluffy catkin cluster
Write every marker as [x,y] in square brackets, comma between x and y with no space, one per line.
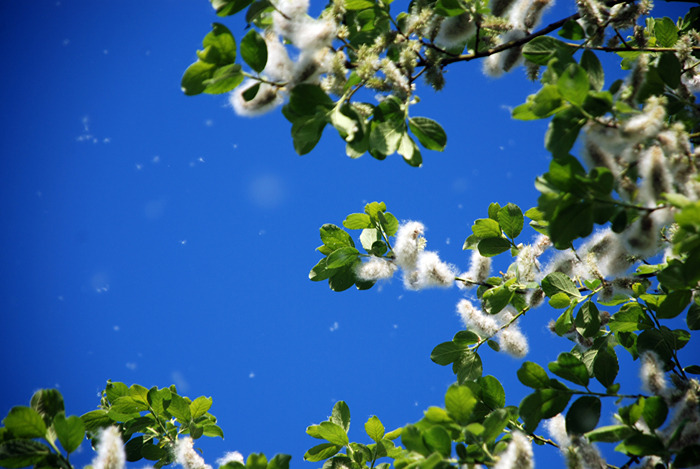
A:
[186,456]
[312,37]
[518,454]
[110,450]
[421,269]
[648,158]
[577,450]
[510,338]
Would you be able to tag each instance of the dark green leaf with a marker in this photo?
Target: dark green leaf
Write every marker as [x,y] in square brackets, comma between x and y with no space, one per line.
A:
[542,404]
[254,50]
[596,76]
[321,271]
[688,456]
[572,30]
[654,340]
[492,392]
[655,412]
[429,133]
[48,403]
[437,439]
[588,320]
[571,368]
[229,7]
[573,84]
[673,304]
[279,461]
[605,366]
[510,219]
[490,247]
[670,69]
[341,257]
[543,48]
[563,131]
[583,415]
[494,424]
[641,445]
[132,448]
[446,353]
[22,453]
[256,461]
[321,452]
[468,367]
[70,431]
[693,317]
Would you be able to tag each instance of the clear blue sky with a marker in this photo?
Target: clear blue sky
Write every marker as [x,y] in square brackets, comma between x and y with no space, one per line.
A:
[154,238]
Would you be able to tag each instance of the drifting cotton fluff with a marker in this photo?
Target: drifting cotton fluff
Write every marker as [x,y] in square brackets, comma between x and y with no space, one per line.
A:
[687,413]
[518,454]
[279,66]
[266,99]
[409,242]
[187,457]
[564,262]
[605,253]
[641,238]
[652,373]
[233,456]
[527,264]
[496,64]
[454,31]
[474,319]
[578,451]
[656,178]
[110,450]
[376,268]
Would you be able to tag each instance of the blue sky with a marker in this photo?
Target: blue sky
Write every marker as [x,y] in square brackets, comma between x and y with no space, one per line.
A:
[154,238]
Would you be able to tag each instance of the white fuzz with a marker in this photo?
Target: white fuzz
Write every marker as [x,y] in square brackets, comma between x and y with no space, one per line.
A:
[513,342]
[607,252]
[375,269]
[518,454]
[587,454]
[496,64]
[431,272]
[187,457]
[475,320]
[279,65]
[652,373]
[266,99]
[230,457]
[647,124]
[479,267]
[455,31]
[642,237]
[656,178]
[110,450]
[408,244]
[556,427]
[564,262]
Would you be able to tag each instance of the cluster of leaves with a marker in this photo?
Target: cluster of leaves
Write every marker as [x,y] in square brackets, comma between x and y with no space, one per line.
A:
[150,422]
[342,257]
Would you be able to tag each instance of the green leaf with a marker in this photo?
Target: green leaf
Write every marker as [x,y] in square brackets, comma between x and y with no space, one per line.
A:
[490,247]
[22,453]
[610,433]
[688,456]
[180,408]
[341,257]
[410,151]
[229,7]
[641,444]
[459,403]
[96,419]
[558,282]
[200,406]
[437,439]
[358,4]
[670,69]
[572,30]
[486,228]
[655,412]
[335,237]
[256,461]
[590,63]
[573,84]
[446,353]
[571,368]
[374,428]
[494,424]
[279,461]
[321,271]
[254,50]
[583,415]
[341,415]
[654,340]
[543,48]
[429,133]
[25,422]
[673,304]
[321,452]
[542,404]
[212,430]
[605,366]
[666,32]
[306,133]
[510,219]
[468,367]
[48,403]
[70,431]
[588,320]
[693,317]
[563,131]
[368,237]
[559,300]
[343,279]
[357,221]
[492,392]
[533,375]
[334,433]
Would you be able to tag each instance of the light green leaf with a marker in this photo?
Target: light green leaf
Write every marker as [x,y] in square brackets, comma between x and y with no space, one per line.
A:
[573,84]
[25,422]
[558,282]
[341,415]
[321,452]
[374,428]
[437,439]
[486,228]
[335,237]
[459,403]
[610,433]
[200,406]
[180,408]
[666,32]
[533,375]
[510,219]
[357,221]
[655,412]
[333,433]
[70,431]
